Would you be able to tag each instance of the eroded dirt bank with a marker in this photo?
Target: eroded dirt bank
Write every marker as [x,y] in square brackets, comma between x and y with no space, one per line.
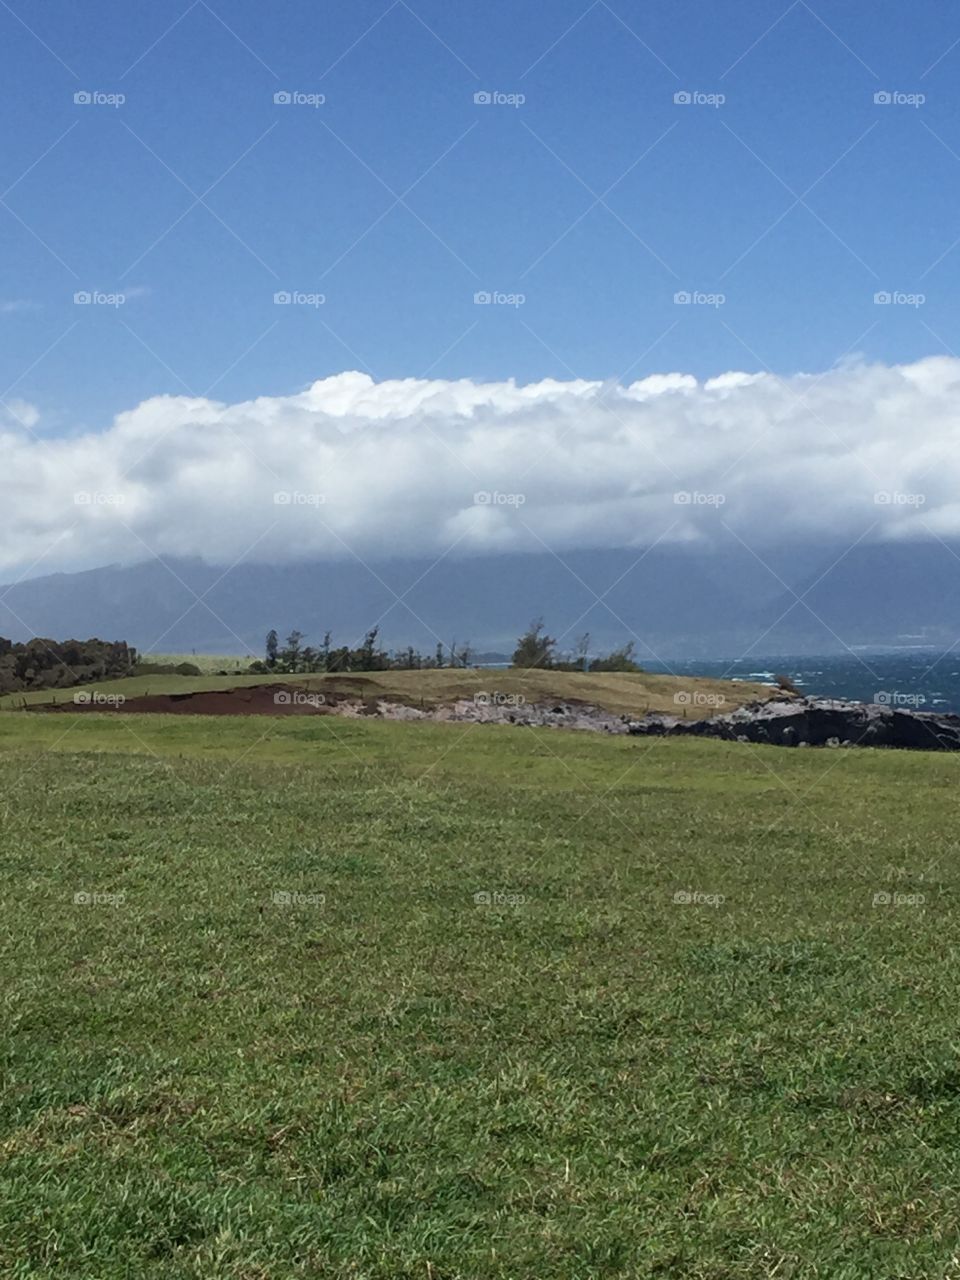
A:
[277,700]
[777,722]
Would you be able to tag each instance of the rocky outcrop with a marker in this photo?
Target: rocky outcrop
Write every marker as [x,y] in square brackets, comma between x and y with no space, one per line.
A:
[536,715]
[817,722]
[782,722]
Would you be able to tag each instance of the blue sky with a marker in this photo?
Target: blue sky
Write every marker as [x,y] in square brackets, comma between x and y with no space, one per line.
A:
[598,198]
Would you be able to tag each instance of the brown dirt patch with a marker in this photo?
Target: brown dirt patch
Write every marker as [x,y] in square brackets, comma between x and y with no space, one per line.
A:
[256,700]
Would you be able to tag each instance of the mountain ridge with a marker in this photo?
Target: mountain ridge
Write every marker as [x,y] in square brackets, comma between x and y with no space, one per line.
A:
[672,601]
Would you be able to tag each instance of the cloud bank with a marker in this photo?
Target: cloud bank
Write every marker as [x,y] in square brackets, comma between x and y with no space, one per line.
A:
[423,467]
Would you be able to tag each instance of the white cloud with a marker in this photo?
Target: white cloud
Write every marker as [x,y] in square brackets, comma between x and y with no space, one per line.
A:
[12,306]
[21,413]
[567,464]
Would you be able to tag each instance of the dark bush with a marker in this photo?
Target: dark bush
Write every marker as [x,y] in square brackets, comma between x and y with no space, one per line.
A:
[166,669]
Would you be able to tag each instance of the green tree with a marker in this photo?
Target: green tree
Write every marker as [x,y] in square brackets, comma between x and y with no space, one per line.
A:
[367,657]
[339,659]
[289,656]
[534,648]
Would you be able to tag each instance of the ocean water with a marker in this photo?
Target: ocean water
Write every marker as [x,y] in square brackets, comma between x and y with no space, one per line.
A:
[920,678]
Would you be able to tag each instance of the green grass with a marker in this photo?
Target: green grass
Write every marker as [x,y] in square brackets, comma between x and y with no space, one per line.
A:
[586,1080]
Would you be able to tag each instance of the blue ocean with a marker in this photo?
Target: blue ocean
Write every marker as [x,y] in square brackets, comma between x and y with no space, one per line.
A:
[921,678]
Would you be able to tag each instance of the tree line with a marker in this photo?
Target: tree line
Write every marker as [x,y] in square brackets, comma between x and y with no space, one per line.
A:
[294,657]
[534,649]
[61,664]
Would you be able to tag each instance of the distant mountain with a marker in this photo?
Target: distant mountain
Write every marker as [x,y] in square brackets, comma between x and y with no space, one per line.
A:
[892,593]
[674,601]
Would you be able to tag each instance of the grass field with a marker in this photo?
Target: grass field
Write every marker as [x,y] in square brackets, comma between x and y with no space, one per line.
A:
[374,1076]
[622,693]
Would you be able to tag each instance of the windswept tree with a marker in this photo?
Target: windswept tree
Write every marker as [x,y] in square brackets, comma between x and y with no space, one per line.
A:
[534,648]
[273,644]
[458,655]
[369,657]
[290,654]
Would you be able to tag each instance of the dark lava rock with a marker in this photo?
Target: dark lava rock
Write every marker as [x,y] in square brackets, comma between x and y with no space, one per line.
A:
[817,722]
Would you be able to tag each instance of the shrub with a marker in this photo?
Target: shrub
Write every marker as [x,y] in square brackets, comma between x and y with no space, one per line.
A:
[619,660]
[166,669]
[786,684]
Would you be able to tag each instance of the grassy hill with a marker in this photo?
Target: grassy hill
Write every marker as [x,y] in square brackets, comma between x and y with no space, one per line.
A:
[701,1022]
[621,693]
